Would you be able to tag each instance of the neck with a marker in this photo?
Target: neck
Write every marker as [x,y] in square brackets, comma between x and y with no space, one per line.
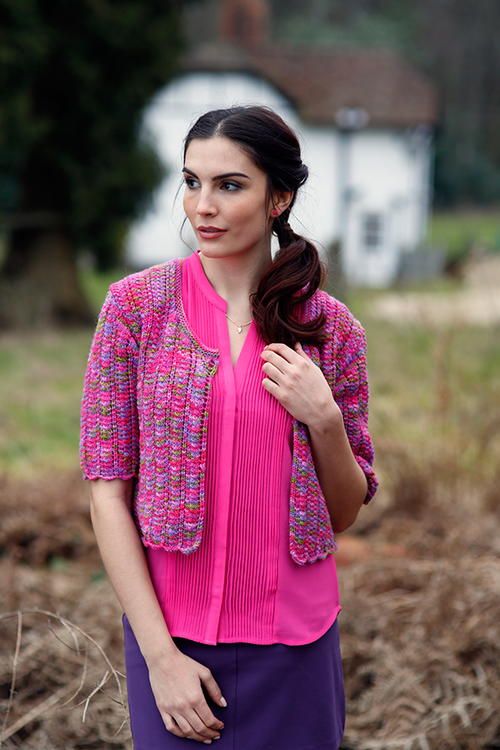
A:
[234,278]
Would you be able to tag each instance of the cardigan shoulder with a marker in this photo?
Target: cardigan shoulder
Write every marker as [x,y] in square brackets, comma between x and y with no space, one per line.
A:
[346,334]
[139,294]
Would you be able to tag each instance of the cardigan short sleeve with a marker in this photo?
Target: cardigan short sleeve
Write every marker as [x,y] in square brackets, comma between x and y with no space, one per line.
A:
[109,431]
[351,393]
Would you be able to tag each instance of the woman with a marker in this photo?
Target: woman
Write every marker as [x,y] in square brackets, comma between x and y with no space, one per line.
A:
[224,428]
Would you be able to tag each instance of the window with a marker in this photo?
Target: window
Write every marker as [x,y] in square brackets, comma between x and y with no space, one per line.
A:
[372,230]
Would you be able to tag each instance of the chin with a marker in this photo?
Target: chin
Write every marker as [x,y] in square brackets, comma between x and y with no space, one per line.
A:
[211,251]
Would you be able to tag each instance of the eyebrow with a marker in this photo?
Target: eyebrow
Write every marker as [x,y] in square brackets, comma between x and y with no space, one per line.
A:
[219,176]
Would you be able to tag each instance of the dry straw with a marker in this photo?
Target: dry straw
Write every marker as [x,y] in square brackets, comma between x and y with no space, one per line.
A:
[48,673]
[420,632]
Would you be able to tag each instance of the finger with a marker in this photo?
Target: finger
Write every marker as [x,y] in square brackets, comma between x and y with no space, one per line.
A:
[286,352]
[184,725]
[271,387]
[273,373]
[277,361]
[207,716]
[199,726]
[212,687]
[172,725]
[188,730]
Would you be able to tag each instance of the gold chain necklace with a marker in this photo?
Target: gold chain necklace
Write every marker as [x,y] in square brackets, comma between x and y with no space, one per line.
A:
[239,327]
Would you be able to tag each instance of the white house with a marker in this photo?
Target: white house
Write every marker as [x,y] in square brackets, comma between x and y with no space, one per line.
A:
[364,119]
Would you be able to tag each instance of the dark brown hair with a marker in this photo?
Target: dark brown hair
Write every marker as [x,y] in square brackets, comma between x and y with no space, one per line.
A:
[296,270]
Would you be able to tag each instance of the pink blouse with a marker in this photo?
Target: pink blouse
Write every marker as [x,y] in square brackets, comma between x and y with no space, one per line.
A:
[242,584]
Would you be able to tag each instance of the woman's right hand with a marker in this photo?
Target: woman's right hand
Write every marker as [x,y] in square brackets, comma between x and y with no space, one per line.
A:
[176,681]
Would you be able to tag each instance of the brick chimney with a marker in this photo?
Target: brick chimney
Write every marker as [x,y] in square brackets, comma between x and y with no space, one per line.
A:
[244,22]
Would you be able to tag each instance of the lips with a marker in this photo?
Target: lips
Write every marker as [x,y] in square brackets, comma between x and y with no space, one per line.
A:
[210,229]
[211,234]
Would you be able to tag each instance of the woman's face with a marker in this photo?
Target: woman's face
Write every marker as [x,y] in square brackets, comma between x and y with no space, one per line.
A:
[224,189]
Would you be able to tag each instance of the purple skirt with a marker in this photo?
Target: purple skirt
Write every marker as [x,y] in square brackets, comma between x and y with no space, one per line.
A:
[279,697]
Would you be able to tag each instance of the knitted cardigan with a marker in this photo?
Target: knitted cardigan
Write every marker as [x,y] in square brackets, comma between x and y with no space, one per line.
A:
[145,407]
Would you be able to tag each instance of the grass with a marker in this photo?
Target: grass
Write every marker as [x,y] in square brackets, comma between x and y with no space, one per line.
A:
[42,375]
[456,231]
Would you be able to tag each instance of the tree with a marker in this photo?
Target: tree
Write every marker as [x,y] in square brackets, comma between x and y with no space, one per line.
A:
[75,79]
[462,54]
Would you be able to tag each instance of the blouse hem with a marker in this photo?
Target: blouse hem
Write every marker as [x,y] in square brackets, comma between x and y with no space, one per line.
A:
[310,639]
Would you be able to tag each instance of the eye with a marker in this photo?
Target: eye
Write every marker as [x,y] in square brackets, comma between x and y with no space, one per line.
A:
[187,180]
[234,184]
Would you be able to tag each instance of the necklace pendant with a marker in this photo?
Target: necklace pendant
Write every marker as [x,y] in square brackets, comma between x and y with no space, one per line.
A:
[240,328]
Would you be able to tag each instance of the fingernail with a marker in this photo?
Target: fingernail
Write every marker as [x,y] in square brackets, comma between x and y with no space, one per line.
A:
[217,738]
[207,742]
[223,701]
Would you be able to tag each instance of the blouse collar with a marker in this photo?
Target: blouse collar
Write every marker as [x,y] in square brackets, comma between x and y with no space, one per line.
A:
[196,267]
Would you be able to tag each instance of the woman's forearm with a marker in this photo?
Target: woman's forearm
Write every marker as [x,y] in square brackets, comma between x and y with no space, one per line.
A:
[125,562]
[341,478]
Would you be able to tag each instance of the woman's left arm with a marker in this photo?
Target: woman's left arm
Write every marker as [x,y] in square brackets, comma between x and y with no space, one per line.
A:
[342,479]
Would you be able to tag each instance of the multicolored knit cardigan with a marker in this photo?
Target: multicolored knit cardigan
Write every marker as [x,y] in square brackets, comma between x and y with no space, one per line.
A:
[145,408]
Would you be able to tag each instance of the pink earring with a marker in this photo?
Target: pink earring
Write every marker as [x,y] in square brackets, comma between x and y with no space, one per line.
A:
[275,212]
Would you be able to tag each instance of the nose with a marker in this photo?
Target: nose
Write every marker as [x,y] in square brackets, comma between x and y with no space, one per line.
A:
[206,203]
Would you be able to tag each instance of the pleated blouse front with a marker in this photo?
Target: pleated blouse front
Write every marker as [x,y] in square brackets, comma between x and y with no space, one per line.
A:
[241,584]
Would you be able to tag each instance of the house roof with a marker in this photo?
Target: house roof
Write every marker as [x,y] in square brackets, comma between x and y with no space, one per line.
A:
[319,82]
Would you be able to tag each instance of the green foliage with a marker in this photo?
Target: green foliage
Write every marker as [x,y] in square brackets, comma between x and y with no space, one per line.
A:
[460,175]
[75,80]
[457,231]
[96,285]
[336,24]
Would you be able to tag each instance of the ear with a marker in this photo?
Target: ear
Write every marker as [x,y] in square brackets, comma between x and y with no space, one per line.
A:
[282,199]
